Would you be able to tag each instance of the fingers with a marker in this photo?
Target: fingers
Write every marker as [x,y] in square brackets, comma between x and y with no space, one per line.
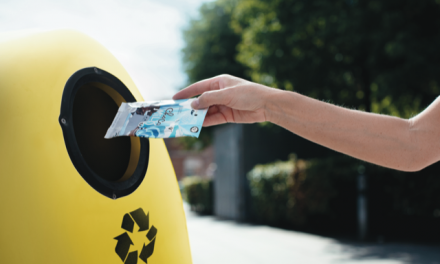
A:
[198,88]
[207,99]
[213,109]
[214,119]
[215,116]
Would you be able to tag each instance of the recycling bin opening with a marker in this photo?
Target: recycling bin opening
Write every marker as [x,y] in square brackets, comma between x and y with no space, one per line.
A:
[93,112]
[113,167]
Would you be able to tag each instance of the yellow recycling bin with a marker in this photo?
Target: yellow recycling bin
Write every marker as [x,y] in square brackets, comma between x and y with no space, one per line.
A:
[67,194]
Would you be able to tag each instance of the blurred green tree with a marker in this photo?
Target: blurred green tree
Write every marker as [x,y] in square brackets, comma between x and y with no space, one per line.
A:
[211,49]
[374,55]
[211,43]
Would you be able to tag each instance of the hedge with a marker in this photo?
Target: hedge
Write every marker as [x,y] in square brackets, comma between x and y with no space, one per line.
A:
[198,193]
[320,196]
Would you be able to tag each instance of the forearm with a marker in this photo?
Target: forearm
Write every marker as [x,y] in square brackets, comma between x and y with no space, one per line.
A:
[388,141]
[379,139]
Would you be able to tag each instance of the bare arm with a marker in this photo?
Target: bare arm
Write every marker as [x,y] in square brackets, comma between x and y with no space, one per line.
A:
[397,143]
[401,144]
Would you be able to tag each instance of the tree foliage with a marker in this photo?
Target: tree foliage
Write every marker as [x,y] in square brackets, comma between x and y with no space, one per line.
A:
[211,43]
[211,50]
[374,55]
[368,54]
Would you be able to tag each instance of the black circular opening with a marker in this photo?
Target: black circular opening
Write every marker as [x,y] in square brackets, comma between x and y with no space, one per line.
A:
[93,113]
[114,167]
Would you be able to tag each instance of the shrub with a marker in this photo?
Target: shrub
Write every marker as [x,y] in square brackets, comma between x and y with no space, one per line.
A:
[198,192]
[270,186]
[288,193]
[320,195]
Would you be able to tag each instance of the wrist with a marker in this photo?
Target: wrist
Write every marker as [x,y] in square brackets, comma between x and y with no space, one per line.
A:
[272,105]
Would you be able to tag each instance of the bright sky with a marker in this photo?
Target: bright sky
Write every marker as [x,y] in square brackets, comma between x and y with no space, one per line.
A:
[145,35]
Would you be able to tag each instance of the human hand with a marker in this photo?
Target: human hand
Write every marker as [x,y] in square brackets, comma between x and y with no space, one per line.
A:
[229,99]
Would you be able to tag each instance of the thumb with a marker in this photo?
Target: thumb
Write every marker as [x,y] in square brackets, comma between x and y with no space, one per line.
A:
[218,97]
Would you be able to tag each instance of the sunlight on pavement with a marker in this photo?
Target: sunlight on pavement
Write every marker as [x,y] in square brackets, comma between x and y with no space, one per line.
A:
[216,241]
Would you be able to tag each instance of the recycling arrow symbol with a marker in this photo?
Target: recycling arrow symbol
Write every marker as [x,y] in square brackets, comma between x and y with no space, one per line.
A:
[124,241]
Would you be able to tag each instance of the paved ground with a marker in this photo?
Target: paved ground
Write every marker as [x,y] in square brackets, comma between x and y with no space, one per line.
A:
[224,242]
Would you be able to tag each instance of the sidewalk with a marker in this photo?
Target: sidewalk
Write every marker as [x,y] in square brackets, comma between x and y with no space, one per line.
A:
[225,242]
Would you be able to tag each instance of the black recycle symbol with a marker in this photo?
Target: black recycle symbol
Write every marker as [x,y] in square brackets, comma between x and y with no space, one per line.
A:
[124,240]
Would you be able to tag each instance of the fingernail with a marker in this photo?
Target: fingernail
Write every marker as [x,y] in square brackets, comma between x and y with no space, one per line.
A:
[195,104]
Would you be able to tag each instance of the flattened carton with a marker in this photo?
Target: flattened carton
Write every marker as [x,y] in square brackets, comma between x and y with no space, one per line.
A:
[157,119]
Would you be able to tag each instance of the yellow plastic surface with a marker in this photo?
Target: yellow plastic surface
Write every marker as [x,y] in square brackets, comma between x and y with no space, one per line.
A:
[49,214]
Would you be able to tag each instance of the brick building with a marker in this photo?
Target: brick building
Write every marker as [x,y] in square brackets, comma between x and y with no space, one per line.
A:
[191,162]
